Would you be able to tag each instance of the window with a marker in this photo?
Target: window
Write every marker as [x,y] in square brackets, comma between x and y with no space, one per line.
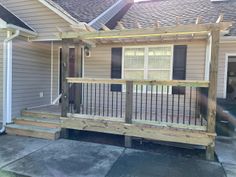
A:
[153,62]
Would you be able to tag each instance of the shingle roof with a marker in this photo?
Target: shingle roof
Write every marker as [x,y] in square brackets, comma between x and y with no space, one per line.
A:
[9,18]
[166,11]
[85,10]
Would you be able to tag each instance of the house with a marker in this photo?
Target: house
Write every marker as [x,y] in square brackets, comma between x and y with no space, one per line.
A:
[136,69]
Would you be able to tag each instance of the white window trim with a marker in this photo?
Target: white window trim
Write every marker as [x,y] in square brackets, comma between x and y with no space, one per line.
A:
[146,60]
[227,55]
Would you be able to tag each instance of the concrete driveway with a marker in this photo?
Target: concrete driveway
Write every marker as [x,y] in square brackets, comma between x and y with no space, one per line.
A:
[21,156]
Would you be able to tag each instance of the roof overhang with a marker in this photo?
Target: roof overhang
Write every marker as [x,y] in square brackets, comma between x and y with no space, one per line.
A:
[178,32]
[23,32]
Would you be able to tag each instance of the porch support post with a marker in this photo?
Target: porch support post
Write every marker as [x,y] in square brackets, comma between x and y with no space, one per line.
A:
[212,93]
[129,110]
[78,73]
[65,74]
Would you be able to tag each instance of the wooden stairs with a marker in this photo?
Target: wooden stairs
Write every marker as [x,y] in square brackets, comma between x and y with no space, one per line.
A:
[38,125]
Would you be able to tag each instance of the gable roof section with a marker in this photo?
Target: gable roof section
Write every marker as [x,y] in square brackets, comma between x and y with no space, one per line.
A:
[84,10]
[11,19]
[166,11]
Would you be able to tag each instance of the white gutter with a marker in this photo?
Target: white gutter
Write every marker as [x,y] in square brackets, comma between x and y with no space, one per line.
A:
[7,83]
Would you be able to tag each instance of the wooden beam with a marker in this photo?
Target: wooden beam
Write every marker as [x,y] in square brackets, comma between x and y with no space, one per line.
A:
[149,32]
[212,93]
[65,74]
[105,28]
[78,73]
[198,20]
[129,102]
[89,28]
[177,20]
[138,25]
[157,24]
[120,24]
[186,83]
[119,127]
[220,18]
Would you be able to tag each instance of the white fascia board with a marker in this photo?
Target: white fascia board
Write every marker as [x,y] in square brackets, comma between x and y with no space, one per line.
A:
[3,24]
[59,11]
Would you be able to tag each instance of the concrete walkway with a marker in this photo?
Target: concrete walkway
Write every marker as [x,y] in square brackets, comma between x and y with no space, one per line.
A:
[21,156]
[226,152]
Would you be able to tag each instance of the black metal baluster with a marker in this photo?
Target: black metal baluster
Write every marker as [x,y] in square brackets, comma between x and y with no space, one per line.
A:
[172,114]
[116,104]
[95,105]
[184,106]
[91,99]
[108,97]
[196,106]
[112,103]
[167,103]
[151,103]
[146,102]
[99,100]
[190,105]
[178,104]
[87,99]
[161,101]
[83,99]
[121,103]
[141,103]
[156,102]
[103,101]
[136,101]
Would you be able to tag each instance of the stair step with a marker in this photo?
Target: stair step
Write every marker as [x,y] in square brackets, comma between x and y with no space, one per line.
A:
[33,131]
[28,113]
[42,122]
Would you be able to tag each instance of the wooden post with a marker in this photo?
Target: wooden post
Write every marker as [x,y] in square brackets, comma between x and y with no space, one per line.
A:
[65,74]
[129,110]
[78,70]
[212,93]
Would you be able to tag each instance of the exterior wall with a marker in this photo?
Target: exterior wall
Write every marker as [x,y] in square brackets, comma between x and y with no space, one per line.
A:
[225,48]
[3,35]
[38,16]
[31,74]
[99,64]
[55,70]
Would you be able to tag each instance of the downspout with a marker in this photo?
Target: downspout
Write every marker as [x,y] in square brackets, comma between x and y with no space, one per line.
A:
[7,83]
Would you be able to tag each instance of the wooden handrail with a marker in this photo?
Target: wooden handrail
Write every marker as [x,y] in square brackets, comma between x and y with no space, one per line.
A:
[182,83]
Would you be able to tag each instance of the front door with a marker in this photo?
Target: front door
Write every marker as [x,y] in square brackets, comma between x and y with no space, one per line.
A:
[231,78]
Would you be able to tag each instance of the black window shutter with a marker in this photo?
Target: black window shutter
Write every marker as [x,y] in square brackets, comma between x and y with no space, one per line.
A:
[116,62]
[179,67]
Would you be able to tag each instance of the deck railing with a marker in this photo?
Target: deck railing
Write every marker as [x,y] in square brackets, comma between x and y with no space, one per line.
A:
[146,101]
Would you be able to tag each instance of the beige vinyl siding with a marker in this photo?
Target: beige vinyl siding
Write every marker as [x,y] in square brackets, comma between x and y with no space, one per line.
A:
[99,64]
[31,74]
[38,16]
[56,70]
[226,48]
[3,35]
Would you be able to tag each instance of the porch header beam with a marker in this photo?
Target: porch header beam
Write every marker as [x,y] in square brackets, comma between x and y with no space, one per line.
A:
[149,32]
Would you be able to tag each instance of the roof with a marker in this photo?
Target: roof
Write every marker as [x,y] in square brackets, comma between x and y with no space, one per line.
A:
[166,11]
[10,18]
[84,10]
